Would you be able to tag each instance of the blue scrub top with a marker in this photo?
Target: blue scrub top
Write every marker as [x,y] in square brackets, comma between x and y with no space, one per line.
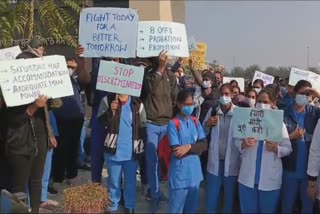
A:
[185,172]
[125,141]
[258,162]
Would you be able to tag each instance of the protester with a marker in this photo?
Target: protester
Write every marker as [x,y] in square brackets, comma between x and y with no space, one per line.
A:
[234,83]
[236,90]
[224,157]
[301,120]
[252,96]
[187,142]
[70,118]
[159,97]
[219,79]
[125,120]
[258,85]
[260,174]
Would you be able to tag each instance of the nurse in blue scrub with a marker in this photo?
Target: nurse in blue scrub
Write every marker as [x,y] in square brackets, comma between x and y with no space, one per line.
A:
[223,157]
[301,120]
[260,174]
[187,141]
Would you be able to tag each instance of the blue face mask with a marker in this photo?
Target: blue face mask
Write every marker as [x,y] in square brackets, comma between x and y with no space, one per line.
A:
[187,110]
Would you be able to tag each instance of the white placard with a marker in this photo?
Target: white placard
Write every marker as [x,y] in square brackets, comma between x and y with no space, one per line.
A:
[267,79]
[120,78]
[9,53]
[110,32]
[155,36]
[239,80]
[26,79]
[297,74]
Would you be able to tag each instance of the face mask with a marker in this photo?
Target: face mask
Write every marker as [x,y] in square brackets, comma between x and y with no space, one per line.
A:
[178,82]
[302,100]
[206,84]
[225,100]
[263,106]
[252,102]
[187,110]
[71,71]
[257,90]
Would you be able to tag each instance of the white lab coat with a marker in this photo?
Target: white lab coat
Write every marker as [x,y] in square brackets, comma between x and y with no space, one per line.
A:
[232,157]
[271,164]
[314,157]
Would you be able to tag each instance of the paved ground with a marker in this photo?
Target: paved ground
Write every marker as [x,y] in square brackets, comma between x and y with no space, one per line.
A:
[142,204]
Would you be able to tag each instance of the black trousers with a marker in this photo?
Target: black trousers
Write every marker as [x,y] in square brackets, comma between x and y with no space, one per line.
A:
[26,172]
[65,156]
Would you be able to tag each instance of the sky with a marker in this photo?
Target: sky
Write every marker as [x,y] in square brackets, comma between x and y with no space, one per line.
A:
[267,33]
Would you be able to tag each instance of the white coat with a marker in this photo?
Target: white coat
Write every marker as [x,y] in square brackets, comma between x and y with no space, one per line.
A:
[232,157]
[314,157]
[271,164]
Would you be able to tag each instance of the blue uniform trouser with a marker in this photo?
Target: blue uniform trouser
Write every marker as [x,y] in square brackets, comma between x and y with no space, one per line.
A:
[115,169]
[154,135]
[291,188]
[184,200]
[82,154]
[97,148]
[46,176]
[214,184]
[253,200]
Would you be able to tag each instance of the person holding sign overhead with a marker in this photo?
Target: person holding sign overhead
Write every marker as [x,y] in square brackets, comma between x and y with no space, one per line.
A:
[187,141]
[260,174]
[159,94]
[301,120]
[124,119]
[223,157]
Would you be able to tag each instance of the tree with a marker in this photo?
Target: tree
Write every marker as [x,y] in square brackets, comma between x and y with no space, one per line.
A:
[43,18]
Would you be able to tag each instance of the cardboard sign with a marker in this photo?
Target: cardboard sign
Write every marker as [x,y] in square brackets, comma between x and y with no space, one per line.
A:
[9,53]
[120,78]
[155,36]
[198,56]
[239,80]
[267,79]
[261,124]
[297,74]
[110,32]
[27,79]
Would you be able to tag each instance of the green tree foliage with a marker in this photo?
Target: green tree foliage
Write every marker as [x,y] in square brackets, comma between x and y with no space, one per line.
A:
[57,19]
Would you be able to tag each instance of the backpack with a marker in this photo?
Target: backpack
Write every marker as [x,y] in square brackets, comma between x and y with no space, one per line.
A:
[164,149]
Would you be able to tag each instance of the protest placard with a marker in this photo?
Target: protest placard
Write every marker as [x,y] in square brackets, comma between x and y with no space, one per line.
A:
[261,124]
[297,74]
[192,44]
[27,79]
[110,32]
[267,79]
[198,57]
[120,78]
[155,36]
[9,53]
[239,80]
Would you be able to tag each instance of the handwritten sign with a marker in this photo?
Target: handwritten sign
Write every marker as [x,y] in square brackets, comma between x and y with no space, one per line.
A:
[155,36]
[26,79]
[192,44]
[239,80]
[267,79]
[120,78]
[9,53]
[261,124]
[297,74]
[110,32]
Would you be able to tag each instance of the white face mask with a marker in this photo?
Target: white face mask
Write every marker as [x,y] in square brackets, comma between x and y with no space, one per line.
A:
[263,106]
[252,102]
[257,90]
[206,84]
[224,100]
[71,71]
[302,100]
